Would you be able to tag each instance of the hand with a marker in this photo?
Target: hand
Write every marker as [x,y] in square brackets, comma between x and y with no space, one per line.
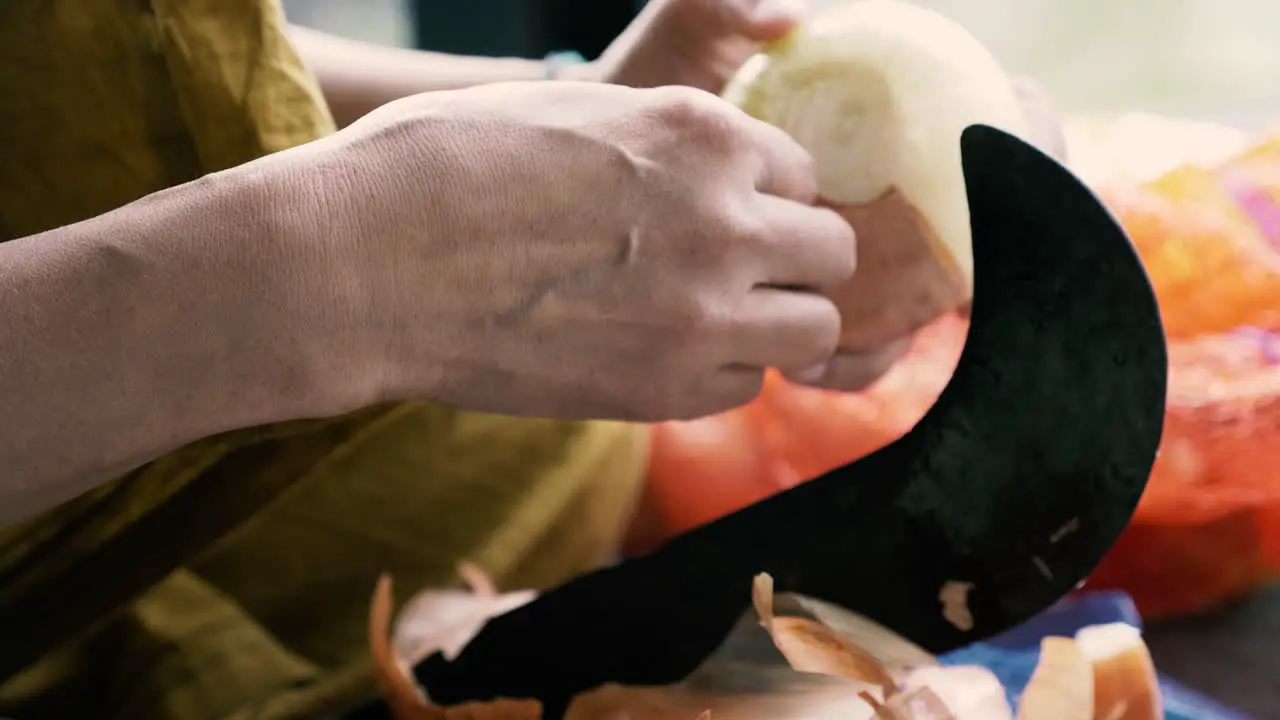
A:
[576,250]
[698,43]
[701,44]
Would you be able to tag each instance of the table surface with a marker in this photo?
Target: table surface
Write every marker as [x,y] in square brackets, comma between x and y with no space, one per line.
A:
[1232,655]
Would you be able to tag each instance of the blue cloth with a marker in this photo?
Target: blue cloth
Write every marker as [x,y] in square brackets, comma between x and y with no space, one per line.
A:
[1013,655]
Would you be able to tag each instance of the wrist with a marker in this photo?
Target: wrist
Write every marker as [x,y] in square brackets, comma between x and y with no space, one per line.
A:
[292,297]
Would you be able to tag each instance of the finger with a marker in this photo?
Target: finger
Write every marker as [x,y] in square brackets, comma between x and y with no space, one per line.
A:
[723,389]
[801,246]
[853,370]
[785,329]
[786,169]
[772,19]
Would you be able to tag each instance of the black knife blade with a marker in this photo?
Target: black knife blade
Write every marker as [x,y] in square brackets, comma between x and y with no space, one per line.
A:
[1014,484]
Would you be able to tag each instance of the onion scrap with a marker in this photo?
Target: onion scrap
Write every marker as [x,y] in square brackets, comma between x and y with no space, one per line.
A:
[1125,686]
[1061,688]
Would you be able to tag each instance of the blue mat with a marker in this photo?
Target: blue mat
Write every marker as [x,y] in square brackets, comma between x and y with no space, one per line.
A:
[1012,656]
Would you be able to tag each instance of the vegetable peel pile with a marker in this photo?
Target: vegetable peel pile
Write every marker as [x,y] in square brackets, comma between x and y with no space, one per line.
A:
[797,657]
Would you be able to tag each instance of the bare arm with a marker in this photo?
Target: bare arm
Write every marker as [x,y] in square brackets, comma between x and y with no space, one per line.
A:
[357,76]
[128,335]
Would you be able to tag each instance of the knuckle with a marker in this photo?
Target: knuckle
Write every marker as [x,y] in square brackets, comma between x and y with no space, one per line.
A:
[700,117]
[683,105]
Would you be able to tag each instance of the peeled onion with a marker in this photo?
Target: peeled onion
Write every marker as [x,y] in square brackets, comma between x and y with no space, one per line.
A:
[879,92]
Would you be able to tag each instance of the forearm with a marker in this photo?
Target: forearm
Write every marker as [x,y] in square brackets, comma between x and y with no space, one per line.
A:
[357,77]
[123,337]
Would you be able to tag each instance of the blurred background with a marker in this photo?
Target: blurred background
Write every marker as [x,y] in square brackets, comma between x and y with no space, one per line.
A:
[1205,59]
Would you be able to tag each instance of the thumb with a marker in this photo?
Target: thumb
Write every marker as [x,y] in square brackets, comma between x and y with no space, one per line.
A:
[772,19]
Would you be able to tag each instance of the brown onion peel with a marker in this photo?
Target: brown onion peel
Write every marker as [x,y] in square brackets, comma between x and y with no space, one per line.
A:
[810,646]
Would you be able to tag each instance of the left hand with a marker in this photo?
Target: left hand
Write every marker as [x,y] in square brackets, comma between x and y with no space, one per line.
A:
[698,43]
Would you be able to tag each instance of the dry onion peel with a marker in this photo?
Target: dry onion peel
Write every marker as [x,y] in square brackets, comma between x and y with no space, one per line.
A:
[1125,686]
[810,646]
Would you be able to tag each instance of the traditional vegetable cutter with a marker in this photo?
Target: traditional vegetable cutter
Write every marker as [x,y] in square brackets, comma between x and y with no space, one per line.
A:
[999,502]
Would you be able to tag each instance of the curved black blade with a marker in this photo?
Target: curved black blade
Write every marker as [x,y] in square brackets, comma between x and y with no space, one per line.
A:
[1016,482]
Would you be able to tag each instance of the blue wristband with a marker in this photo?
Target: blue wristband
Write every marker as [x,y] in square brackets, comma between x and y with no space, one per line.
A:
[553,63]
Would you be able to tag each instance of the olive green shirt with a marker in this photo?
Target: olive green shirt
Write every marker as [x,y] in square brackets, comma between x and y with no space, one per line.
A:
[230,579]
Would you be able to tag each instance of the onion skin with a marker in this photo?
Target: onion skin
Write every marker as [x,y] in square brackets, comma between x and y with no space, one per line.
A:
[1124,675]
[906,277]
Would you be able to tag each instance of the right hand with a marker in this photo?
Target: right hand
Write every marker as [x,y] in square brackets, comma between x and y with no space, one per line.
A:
[578,250]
